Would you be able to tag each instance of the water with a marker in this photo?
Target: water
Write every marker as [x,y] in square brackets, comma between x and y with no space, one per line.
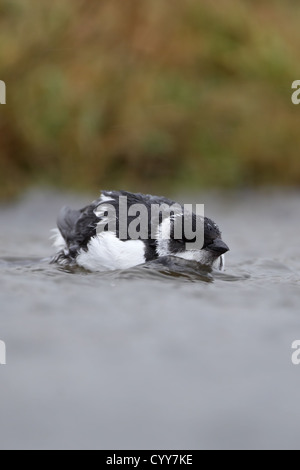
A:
[153,357]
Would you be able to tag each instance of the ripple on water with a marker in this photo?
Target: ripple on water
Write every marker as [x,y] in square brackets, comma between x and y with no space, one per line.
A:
[165,269]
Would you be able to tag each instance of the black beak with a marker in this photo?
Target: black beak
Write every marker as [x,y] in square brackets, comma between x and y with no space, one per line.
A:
[218,247]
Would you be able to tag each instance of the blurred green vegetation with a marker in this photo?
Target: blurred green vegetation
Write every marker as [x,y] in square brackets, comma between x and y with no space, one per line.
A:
[144,94]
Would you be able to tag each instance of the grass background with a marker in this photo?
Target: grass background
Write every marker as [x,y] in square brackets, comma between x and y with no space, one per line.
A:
[149,95]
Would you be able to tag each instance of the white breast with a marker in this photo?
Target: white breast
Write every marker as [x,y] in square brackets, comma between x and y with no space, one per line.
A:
[106,253]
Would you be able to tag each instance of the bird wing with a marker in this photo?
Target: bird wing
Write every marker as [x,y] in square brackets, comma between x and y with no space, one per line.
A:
[77,227]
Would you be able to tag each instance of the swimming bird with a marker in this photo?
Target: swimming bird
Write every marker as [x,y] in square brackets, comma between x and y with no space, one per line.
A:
[108,234]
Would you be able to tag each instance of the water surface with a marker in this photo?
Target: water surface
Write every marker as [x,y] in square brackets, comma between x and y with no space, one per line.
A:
[153,357]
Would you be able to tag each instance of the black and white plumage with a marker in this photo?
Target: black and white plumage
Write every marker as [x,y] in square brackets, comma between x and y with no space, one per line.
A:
[80,243]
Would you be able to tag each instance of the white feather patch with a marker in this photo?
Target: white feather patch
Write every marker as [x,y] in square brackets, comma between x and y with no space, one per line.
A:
[104,198]
[107,253]
[58,240]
